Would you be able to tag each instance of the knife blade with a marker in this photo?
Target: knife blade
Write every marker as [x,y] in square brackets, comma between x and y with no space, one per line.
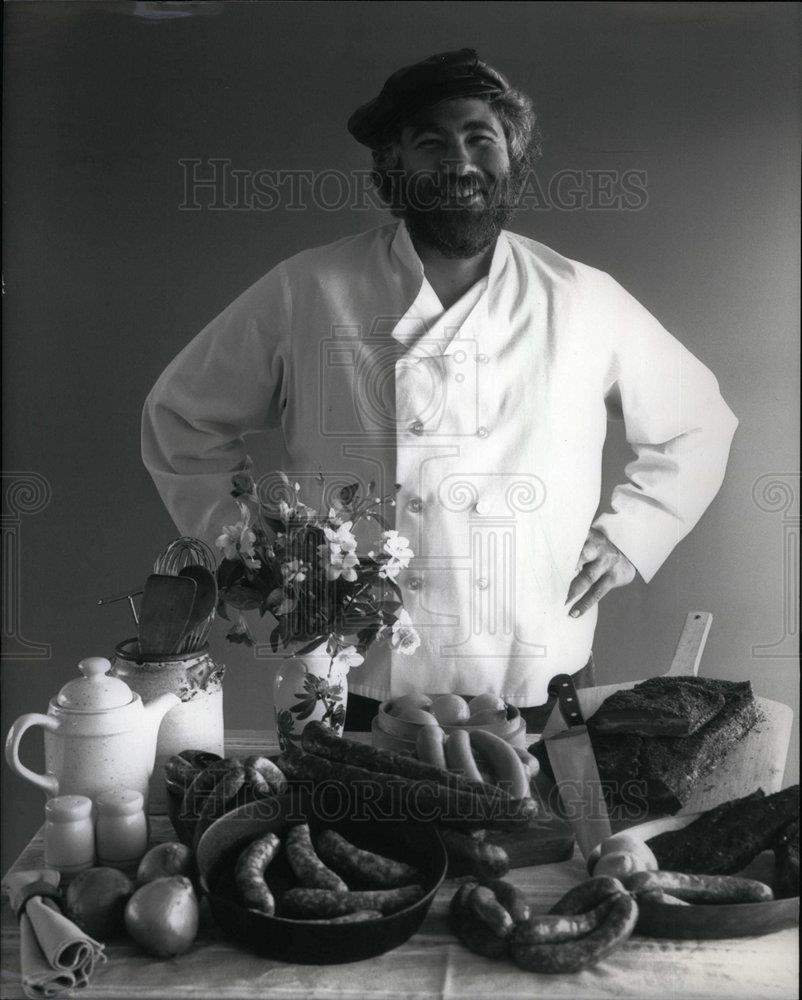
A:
[576,773]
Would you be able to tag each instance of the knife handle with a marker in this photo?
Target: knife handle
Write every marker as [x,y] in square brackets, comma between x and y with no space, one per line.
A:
[562,688]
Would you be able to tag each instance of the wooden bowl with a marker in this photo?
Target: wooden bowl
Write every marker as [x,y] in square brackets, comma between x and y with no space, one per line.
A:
[301,941]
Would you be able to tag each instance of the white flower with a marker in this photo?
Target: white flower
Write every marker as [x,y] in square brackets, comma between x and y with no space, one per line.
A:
[390,570]
[403,636]
[348,658]
[397,548]
[342,538]
[342,565]
[238,539]
[334,516]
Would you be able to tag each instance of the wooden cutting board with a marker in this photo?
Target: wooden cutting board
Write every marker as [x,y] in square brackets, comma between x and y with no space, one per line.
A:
[546,840]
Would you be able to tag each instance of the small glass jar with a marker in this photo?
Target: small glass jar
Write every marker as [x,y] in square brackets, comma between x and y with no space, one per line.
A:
[121,831]
[69,834]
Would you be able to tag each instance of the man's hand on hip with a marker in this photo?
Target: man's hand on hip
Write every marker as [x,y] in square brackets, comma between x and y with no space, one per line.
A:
[600,569]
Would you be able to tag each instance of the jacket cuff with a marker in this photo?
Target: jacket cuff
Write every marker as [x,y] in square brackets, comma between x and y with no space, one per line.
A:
[646,537]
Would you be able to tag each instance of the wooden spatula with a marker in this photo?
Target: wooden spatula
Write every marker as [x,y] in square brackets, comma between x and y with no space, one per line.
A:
[167,603]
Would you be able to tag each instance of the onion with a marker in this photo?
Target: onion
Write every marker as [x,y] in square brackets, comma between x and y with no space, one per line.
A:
[95,901]
[162,916]
[162,860]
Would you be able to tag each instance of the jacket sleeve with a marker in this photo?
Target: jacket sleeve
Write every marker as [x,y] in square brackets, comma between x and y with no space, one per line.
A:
[230,380]
[678,426]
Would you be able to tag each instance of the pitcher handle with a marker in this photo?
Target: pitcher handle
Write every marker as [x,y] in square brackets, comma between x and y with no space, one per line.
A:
[47,782]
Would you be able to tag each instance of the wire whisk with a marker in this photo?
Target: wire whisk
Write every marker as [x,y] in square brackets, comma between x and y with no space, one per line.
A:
[185,551]
[180,553]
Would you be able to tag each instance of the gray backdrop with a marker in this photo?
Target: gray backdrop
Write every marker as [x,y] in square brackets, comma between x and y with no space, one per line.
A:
[106,278]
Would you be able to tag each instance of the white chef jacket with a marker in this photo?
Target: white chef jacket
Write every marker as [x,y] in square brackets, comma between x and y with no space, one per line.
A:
[492,417]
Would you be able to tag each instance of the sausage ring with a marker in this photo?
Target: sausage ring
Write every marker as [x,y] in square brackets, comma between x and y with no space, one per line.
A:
[249,874]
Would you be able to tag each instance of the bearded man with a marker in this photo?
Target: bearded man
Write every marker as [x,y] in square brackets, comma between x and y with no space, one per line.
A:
[473,366]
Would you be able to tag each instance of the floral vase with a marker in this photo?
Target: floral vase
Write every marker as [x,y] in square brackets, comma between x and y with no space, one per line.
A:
[309,687]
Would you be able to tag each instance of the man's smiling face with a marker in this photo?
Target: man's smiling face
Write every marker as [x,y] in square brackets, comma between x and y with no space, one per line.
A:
[456,177]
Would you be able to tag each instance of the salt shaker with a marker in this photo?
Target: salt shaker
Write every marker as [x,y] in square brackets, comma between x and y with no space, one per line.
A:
[122,828]
[69,834]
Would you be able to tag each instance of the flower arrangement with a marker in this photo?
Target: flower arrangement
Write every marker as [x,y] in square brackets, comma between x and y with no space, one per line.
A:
[305,568]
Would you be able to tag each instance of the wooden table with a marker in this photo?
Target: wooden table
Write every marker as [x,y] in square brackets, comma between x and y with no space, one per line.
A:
[432,963]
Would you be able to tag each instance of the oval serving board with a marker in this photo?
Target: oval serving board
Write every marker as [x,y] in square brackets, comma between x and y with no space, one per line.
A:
[706,922]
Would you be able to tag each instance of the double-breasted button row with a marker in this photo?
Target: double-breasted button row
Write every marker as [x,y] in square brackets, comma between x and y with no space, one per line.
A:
[418,428]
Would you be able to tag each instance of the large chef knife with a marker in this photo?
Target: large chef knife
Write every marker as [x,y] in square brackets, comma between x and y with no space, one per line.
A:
[576,774]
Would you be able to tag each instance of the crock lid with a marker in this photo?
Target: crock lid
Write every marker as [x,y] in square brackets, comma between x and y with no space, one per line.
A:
[95,691]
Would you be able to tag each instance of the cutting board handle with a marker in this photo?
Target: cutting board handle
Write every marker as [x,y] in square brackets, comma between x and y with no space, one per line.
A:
[691,643]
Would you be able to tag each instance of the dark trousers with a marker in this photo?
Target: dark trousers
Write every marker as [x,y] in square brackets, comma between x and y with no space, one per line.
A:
[361,711]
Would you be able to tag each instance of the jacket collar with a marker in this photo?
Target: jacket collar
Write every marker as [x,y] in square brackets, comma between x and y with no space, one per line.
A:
[405,253]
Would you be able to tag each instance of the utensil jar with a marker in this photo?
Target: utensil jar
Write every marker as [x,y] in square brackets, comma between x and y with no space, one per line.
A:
[195,724]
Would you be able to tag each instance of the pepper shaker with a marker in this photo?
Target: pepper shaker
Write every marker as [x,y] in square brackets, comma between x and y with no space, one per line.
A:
[69,834]
[122,829]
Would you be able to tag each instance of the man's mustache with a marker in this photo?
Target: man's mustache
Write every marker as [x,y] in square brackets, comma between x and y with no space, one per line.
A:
[430,191]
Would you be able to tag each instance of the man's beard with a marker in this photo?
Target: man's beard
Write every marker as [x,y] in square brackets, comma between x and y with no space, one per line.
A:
[435,218]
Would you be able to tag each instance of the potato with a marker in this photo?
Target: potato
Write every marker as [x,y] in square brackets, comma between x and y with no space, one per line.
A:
[406,701]
[96,899]
[450,710]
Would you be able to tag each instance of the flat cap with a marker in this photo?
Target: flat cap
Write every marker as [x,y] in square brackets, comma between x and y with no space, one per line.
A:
[412,88]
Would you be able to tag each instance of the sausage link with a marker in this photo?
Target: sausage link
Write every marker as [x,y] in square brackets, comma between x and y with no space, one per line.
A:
[482,901]
[203,785]
[249,873]
[511,898]
[507,767]
[179,770]
[470,854]
[315,903]
[319,740]
[264,777]
[357,917]
[471,932]
[553,928]
[182,768]
[387,900]
[658,896]
[531,764]
[363,866]
[325,903]
[571,956]
[414,799]
[310,871]
[459,757]
[223,792]
[588,894]
[701,888]
[429,746]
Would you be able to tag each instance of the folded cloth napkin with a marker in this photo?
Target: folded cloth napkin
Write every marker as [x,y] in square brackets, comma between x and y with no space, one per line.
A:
[55,955]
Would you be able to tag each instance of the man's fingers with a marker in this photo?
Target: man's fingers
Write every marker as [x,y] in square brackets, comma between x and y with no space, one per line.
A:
[584,580]
[593,596]
[591,551]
